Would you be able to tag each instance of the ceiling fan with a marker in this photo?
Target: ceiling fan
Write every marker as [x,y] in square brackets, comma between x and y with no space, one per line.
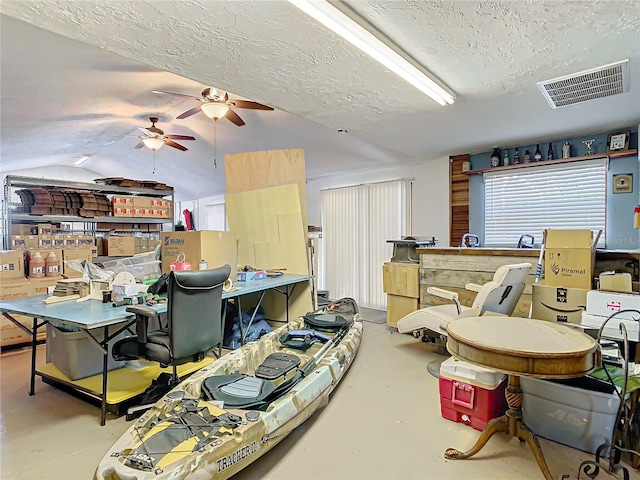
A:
[216,104]
[154,137]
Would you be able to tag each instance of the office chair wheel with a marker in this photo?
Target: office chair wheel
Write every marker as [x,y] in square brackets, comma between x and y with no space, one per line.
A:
[416,333]
[426,339]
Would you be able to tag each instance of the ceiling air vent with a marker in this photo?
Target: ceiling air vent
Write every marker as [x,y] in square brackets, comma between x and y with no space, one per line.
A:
[599,82]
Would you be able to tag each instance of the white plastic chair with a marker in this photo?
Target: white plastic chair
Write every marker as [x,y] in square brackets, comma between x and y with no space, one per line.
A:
[498,296]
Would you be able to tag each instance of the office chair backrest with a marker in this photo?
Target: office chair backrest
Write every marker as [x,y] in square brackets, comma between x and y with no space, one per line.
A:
[501,294]
[194,310]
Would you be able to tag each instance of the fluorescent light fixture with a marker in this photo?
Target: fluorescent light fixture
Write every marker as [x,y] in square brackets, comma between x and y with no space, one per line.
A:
[334,19]
[215,110]
[153,143]
[81,160]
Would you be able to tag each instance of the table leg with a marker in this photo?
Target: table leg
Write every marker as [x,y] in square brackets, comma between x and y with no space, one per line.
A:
[105,376]
[34,344]
[510,423]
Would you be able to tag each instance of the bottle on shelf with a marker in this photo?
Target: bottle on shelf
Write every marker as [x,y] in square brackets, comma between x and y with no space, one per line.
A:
[527,156]
[516,157]
[203,265]
[550,152]
[505,160]
[52,265]
[566,150]
[538,155]
[495,157]
[36,266]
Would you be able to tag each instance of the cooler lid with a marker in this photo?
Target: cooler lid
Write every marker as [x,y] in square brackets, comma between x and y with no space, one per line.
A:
[472,374]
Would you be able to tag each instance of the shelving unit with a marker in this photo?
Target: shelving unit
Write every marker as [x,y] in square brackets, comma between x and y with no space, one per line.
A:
[10,216]
[626,153]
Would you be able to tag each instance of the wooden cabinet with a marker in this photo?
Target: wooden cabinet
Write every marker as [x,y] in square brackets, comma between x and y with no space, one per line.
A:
[400,281]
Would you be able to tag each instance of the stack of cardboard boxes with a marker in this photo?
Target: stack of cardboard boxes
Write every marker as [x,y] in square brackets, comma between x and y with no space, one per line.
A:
[568,275]
[26,241]
[140,207]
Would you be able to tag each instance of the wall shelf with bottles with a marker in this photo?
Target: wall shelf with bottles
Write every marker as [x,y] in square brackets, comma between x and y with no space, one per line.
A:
[626,153]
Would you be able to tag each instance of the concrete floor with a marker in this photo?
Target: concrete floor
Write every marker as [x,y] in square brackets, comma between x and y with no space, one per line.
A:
[382,422]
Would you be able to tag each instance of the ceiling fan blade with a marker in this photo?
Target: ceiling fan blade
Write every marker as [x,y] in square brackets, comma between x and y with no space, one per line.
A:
[248,104]
[144,130]
[188,113]
[161,92]
[175,145]
[180,137]
[233,117]
[139,145]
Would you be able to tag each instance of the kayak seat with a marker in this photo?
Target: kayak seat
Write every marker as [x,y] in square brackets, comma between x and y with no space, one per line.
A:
[277,365]
[324,322]
[302,339]
[238,390]
[245,391]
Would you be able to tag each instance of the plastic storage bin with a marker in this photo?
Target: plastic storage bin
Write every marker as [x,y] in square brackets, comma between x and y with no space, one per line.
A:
[143,266]
[573,416]
[471,394]
[76,355]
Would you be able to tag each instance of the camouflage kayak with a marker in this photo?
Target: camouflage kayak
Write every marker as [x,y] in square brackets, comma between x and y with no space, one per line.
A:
[236,409]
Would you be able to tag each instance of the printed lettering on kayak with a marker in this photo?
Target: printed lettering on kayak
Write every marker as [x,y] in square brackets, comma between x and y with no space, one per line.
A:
[237,456]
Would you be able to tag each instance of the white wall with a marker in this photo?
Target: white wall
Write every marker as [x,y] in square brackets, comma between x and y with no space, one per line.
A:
[430,215]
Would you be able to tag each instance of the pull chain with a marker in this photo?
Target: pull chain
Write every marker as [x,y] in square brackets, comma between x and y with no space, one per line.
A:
[154,162]
[215,143]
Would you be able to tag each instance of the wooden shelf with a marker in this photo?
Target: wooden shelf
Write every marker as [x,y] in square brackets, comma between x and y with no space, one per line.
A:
[626,153]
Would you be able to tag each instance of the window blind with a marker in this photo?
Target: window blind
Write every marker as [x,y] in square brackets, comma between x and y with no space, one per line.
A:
[563,196]
[357,221]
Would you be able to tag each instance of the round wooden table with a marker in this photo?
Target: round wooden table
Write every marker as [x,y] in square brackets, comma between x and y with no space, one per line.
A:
[516,347]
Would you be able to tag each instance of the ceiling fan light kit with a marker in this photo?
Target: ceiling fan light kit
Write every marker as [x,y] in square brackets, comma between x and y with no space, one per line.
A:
[350,30]
[153,143]
[215,110]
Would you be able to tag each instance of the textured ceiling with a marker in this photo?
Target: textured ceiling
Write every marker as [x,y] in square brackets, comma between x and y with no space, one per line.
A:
[82,81]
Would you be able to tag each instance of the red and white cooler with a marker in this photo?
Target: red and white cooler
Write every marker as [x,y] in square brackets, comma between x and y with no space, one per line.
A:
[471,394]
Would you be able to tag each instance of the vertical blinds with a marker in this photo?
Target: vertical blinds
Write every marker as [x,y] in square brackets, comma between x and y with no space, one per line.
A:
[564,196]
[357,221]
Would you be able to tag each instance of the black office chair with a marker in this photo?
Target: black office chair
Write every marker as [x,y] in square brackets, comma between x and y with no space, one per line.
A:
[194,322]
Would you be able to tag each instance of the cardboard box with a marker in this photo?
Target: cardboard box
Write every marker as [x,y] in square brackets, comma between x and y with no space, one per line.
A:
[40,286]
[44,229]
[58,240]
[615,282]
[569,258]
[16,288]
[23,229]
[558,304]
[74,254]
[612,328]
[70,241]
[215,248]
[606,303]
[11,265]
[24,242]
[45,241]
[143,202]
[119,246]
[122,211]
[84,241]
[11,334]
[122,201]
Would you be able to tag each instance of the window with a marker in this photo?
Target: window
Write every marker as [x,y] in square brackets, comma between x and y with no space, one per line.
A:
[564,196]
